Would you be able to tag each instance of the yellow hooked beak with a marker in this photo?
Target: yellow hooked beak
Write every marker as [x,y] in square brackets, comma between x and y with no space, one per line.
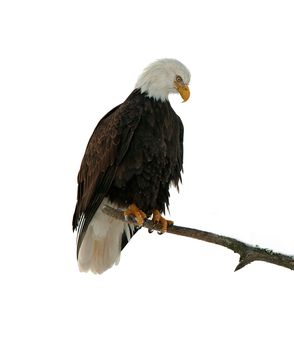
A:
[183,90]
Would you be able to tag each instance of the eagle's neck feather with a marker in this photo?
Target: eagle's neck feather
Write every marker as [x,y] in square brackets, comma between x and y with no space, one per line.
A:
[153,91]
[155,83]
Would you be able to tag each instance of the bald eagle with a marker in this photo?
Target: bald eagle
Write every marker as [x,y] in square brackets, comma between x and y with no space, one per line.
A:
[133,156]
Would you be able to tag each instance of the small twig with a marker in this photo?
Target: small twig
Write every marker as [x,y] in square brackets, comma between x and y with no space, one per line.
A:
[248,253]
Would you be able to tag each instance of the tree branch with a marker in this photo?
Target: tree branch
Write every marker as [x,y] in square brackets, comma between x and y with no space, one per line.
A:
[248,253]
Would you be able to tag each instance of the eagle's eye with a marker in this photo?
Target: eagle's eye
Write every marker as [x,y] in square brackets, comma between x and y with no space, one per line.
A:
[179,79]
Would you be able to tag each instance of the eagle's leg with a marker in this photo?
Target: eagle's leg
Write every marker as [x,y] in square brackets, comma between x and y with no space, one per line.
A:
[157,218]
[138,214]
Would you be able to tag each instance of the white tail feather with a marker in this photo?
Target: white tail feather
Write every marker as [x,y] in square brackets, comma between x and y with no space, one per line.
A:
[101,245]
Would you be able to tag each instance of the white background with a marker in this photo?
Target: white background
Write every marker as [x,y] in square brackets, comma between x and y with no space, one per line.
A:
[64,64]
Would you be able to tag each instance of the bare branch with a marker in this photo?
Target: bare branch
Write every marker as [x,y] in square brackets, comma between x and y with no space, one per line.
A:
[248,253]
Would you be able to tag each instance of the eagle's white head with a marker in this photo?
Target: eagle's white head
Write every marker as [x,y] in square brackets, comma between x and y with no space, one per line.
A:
[163,77]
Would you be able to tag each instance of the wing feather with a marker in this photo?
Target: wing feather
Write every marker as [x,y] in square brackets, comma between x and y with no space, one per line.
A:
[105,151]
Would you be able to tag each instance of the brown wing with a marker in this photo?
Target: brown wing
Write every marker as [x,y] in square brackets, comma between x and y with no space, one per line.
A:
[105,150]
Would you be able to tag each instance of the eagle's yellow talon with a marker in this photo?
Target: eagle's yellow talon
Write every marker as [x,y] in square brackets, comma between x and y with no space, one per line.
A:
[138,214]
[157,218]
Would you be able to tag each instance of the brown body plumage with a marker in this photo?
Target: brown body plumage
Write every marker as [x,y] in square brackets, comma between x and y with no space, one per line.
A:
[133,155]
